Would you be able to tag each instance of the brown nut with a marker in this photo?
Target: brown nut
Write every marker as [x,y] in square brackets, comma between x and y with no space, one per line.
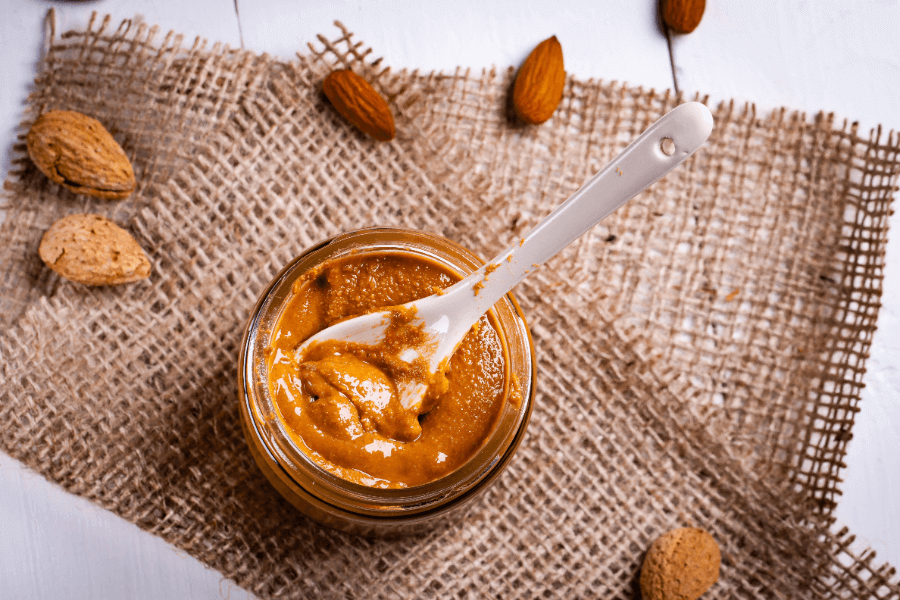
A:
[680,565]
[540,82]
[683,16]
[359,103]
[93,250]
[78,153]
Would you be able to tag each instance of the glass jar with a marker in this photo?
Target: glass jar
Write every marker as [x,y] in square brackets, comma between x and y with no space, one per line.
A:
[352,507]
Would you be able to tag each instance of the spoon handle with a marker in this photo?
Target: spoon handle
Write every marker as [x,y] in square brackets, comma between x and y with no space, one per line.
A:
[661,148]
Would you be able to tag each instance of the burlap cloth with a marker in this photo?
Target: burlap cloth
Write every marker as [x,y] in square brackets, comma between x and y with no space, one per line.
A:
[701,352]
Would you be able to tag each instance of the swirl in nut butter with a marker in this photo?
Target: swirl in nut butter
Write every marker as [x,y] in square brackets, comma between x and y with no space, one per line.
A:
[339,401]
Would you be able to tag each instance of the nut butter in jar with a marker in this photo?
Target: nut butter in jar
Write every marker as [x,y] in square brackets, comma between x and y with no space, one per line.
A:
[337,457]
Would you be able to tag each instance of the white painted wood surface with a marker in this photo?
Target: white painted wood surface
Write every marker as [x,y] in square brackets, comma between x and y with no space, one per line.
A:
[828,54]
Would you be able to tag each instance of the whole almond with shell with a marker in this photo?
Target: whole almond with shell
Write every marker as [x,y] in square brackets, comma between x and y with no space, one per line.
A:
[93,250]
[680,565]
[540,82]
[359,103]
[683,16]
[78,153]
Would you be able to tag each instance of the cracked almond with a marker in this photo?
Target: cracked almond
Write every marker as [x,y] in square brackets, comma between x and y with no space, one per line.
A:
[78,153]
[93,250]
[358,102]
[540,82]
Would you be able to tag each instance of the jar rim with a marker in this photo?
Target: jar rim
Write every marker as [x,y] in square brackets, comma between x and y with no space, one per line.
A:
[329,488]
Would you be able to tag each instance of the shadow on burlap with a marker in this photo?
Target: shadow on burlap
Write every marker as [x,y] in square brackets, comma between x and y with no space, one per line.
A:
[700,352]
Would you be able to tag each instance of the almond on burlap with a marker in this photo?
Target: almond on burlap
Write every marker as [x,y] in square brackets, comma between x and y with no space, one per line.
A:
[540,83]
[78,153]
[358,102]
[93,250]
[680,565]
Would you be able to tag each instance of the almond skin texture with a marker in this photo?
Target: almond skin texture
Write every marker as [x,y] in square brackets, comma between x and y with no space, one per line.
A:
[78,153]
[93,250]
[359,103]
[540,82]
[680,565]
[683,16]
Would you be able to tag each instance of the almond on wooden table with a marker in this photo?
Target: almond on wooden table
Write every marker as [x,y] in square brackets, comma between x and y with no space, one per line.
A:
[683,16]
[359,103]
[680,565]
[78,153]
[93,250]
[540,82]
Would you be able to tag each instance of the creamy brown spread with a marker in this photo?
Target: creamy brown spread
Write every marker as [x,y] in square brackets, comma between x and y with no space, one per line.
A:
[340,401]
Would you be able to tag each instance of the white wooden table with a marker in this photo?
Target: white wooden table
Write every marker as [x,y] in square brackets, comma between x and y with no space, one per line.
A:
[828,54]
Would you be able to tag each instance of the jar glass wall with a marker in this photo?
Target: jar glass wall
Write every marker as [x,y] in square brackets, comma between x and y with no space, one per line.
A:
[337,502]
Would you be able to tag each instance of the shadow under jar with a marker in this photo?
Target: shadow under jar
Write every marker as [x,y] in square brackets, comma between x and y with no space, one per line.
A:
[319,492]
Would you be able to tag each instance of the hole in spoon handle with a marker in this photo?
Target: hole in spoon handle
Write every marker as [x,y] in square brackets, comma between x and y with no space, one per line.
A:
[667,146]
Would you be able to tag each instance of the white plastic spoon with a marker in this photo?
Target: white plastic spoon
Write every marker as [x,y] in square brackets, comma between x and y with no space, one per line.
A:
[447,317]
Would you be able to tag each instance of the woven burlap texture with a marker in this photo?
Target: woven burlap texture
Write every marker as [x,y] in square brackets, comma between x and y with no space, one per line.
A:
[700,353]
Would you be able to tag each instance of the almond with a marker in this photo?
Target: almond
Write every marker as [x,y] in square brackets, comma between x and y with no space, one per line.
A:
[93,250]
[683,16]
[680,565]
[359,103]
[540,82]
[78,153]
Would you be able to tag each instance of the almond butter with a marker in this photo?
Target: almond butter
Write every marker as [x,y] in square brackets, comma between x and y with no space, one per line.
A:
[540,82]
[681,565]
[78,153]
[359,103]
[683,16]
[93,250]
